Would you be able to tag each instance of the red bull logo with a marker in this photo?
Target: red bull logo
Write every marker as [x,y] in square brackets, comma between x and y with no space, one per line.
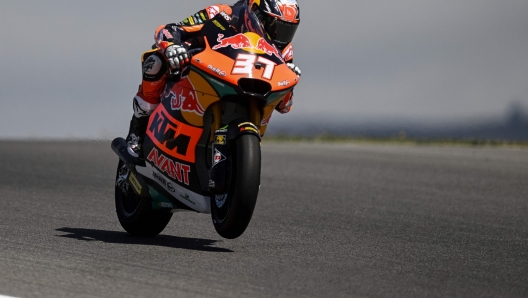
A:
[184,98]
[250,42]
[264,46]
[238,41]
[191,104]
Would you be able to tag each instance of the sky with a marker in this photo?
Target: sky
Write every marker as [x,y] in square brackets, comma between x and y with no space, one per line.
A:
[69,69]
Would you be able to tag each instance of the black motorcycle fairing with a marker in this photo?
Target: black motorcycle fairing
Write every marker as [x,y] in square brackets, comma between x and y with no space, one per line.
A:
[218,28]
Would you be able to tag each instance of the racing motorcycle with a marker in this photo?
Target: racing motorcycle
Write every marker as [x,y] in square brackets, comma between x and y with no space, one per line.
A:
[202,145]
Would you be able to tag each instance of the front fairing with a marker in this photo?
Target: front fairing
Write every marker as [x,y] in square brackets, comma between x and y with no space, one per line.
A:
[230,56]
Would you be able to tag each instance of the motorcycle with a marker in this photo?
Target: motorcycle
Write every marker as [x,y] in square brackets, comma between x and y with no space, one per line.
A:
[202,145]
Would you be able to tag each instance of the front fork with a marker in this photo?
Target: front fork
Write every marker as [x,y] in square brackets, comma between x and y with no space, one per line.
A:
[254,114]
[223,138]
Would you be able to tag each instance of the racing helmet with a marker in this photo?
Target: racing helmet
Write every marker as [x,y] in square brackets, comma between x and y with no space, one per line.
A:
[278,18]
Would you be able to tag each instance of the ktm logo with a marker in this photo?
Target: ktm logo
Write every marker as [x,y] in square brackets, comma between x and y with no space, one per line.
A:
[175,138]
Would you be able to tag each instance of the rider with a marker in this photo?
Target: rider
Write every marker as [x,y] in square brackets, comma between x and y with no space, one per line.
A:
[279,19]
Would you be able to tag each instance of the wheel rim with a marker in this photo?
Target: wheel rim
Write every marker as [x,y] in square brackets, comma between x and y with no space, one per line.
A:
[129,200]
[220,200]
[222,203]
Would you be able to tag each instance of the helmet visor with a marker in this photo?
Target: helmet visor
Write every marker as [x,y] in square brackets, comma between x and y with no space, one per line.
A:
[284,32]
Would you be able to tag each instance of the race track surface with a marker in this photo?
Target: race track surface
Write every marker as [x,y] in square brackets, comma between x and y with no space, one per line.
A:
[331,221]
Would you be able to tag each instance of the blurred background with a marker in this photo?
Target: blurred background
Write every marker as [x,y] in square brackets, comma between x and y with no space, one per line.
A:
[418,68]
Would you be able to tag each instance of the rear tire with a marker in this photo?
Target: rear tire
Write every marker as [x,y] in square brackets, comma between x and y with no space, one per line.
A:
[136,215]
[231,212]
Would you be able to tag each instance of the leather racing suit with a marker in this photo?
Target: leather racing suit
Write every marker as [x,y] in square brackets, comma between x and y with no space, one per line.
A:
[186,33]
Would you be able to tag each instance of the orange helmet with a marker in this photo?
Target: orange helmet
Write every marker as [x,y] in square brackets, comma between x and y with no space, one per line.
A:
[278,18]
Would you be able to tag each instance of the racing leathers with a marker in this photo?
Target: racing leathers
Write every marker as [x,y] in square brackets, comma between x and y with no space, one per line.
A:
[169,54]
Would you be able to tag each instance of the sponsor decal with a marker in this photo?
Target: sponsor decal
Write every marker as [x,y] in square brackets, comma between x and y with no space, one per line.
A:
[249,128]
[213,11]
[184,98]
[164,182]
[284,83]
[243,41]
[186,101]
[237,41]
[135,183]
[225,16]
[167,34]
[186,197]
[197,18]
[173,137]
[165,205]
[217,70]
[218,157]
[175,170]
[219,25]
[220,140]
[264,46]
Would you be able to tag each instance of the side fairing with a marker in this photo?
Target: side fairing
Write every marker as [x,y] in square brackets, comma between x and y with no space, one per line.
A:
[170,148]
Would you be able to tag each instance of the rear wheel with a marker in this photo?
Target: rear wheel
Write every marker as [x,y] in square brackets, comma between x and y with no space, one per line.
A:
[136,215]
[231,212]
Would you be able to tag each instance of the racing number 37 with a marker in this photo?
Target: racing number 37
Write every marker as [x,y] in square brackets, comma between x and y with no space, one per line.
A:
[245,62]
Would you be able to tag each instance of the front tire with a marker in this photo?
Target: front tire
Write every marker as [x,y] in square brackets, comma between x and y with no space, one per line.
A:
[136,215]
[231,212]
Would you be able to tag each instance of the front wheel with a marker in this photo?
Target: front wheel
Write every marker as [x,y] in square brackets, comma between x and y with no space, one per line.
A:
[231,212]
[136,215]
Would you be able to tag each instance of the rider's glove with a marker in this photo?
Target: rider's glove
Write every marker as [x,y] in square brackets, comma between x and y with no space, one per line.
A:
[286,104]
[294,68]
[177,56]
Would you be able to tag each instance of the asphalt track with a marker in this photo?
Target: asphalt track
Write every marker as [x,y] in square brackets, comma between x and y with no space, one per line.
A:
[331,221]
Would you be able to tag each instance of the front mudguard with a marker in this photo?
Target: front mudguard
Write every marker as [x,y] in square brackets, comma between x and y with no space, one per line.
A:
[223,139]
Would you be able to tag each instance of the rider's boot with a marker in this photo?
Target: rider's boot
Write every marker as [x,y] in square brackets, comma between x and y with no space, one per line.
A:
[136,135]
[146,100]
[138,126]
